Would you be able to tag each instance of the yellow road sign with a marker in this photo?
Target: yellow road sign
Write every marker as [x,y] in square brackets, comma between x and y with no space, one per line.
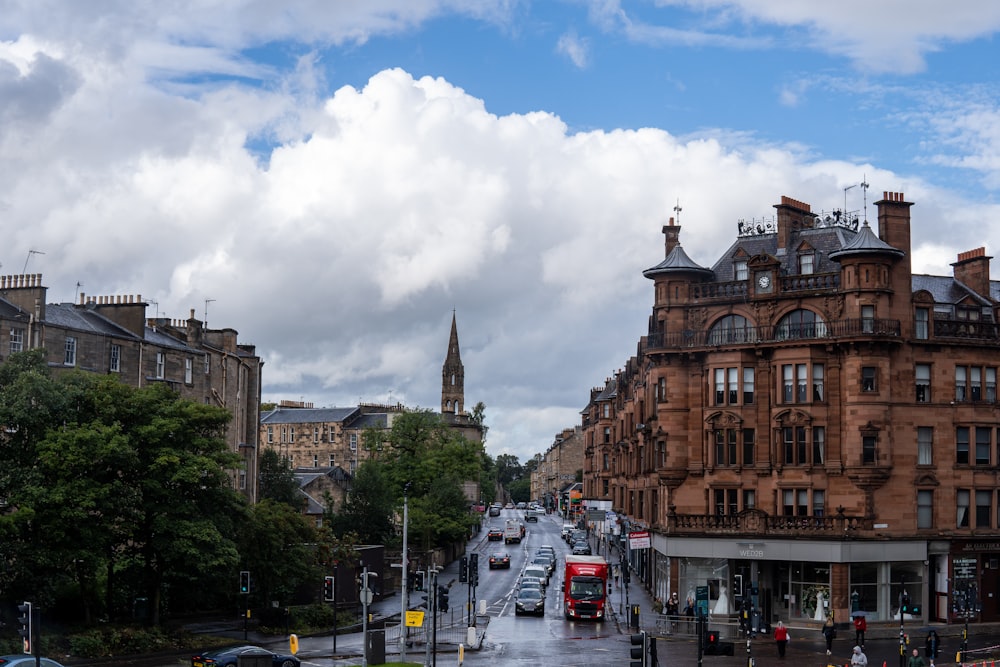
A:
[414,619]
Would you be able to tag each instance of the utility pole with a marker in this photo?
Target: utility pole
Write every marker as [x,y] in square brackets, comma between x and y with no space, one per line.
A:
[406,566]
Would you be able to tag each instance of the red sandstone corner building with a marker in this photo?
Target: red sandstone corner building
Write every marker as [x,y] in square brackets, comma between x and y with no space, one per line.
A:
[808,427]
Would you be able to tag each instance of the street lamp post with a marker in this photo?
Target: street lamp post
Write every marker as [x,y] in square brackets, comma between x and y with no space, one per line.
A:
[405,568]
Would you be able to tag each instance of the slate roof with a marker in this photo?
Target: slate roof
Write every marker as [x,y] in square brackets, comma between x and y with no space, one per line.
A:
[12,312]
[823,240]
[676,262]
[67,316]
[371,420]
[945,289]
[866,243]
[307,415]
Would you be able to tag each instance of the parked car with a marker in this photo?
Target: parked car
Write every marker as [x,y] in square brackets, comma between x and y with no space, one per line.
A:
[230,657]
[581,548]
[25,660]
[495,535]
[529,601]
[500,559]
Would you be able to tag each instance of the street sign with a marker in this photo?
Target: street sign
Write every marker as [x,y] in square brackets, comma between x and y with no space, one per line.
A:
[366,596]
[414,619]
[638,539]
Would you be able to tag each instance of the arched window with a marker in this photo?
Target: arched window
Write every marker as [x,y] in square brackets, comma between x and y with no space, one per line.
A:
[800,324]
[732,329]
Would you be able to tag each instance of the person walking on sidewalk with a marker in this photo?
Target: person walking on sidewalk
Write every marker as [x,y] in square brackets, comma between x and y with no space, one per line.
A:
[860,625]
[781,638]
[916,660]
[859,659]
[829,634]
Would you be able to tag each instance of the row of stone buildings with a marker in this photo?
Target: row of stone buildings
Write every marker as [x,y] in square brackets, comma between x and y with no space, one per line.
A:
[112,335]
[808,427]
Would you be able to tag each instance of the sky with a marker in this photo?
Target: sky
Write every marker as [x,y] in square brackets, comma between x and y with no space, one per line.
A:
[335,179]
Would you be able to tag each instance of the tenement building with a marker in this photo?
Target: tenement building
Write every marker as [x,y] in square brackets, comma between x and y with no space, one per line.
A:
[112,335]
[808,427]
[559,467]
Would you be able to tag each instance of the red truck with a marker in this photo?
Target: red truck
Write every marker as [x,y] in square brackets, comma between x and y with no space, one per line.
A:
[585,587]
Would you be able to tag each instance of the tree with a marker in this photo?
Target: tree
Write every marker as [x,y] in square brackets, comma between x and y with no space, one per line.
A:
[277,479]
[369,507]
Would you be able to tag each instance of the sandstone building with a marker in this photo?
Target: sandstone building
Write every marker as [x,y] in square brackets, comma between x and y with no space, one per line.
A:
[112,335]
[808,426]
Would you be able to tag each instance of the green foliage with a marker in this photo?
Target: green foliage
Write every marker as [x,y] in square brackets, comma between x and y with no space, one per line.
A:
[276,478]
[520,490]
[112,641]
[369,507]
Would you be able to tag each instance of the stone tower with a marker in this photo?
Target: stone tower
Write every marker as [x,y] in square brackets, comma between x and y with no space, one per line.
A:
[453,376]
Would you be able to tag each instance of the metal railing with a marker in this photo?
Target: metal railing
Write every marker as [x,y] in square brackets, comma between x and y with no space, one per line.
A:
[850,328]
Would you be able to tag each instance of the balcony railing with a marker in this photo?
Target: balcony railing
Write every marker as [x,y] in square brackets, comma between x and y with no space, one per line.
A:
[757,523]
[851,328]
[738,289]
[965,329]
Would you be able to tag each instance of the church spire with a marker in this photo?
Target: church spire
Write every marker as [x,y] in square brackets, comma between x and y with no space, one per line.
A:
[453,376]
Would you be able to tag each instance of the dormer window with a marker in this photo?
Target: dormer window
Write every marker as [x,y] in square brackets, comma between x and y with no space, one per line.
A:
[806,263]
[740,270]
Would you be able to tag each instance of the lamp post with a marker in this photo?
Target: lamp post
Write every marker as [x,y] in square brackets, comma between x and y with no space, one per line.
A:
[406,566]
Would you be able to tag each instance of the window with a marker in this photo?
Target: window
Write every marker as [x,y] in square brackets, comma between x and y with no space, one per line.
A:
[819,502]
[984,506]
[787,383]
[316,434]
[16,340]
[354,442]
[925,445]
[70,357]
[819,445]
[115,360]
[605,463]
[188,370]
[661,390]
[208,364]
[740,269]
[795,502]
[801,383]
[731,329]
[923,323]
[270,433]
[923,375]
[867,319]
[725,447]
[818,382]
[726,502]
[806,263]
[749,499]
[661,454]
[975,383]
[962,445]
[962,507]
[606,411]
[925,509]
[333,461]
[161,362]
[800,324]
[983,445]
[869,453]
[720,386]
[291,434]
[748,381]
[990,385]
[868,378]
[961,383]
[315,461]
[607,435]
[749,439]
[732,375]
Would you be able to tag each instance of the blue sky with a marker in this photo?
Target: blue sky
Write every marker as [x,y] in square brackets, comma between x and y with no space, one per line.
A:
[337,178]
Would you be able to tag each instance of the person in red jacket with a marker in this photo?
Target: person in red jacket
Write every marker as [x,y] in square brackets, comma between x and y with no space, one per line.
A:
[860,625]
[781,638]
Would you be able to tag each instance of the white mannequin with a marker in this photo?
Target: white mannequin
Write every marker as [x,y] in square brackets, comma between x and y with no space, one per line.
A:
[722,604]
[820,614]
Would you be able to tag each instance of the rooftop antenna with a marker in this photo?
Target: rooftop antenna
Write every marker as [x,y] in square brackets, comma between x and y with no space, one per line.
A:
[864,186]
[207,301]
[157,311]
[677,211]
[845,198]
[30,253]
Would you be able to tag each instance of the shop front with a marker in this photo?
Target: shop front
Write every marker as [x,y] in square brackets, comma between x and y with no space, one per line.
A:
[799,580]
[975,576]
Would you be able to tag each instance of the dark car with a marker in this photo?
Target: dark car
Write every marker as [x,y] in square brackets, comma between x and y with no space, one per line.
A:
[529,601]
[581,548]
[229,657]
[500,559]
[25,660]
[495,535]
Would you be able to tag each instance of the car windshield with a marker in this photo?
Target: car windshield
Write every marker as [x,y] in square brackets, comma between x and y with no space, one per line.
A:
[529,594]
[586,588]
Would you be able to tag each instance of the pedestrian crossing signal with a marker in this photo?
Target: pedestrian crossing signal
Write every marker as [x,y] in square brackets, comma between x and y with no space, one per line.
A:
[637,651]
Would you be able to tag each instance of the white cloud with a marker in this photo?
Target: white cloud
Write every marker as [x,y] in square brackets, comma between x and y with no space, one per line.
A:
[574,47]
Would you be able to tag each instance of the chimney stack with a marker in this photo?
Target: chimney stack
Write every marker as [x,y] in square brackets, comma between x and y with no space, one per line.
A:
[973,270]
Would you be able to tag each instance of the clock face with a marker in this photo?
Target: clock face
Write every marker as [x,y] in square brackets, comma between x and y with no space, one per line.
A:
[764,281]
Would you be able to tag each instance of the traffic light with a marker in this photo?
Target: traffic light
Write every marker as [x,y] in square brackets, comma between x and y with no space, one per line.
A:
[712,642]
[442,600]
[328,589]
[463,570]
[637,650]
[418,581]
[245,581]
[474,569]
[24,618]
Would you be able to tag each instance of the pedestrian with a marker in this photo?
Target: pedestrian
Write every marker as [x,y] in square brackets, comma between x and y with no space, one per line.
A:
[916,660]
[689,611]
[829,634]
[672,610]
[781,638]
[860,625]
[931,646]
[657,605]
[859,659]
